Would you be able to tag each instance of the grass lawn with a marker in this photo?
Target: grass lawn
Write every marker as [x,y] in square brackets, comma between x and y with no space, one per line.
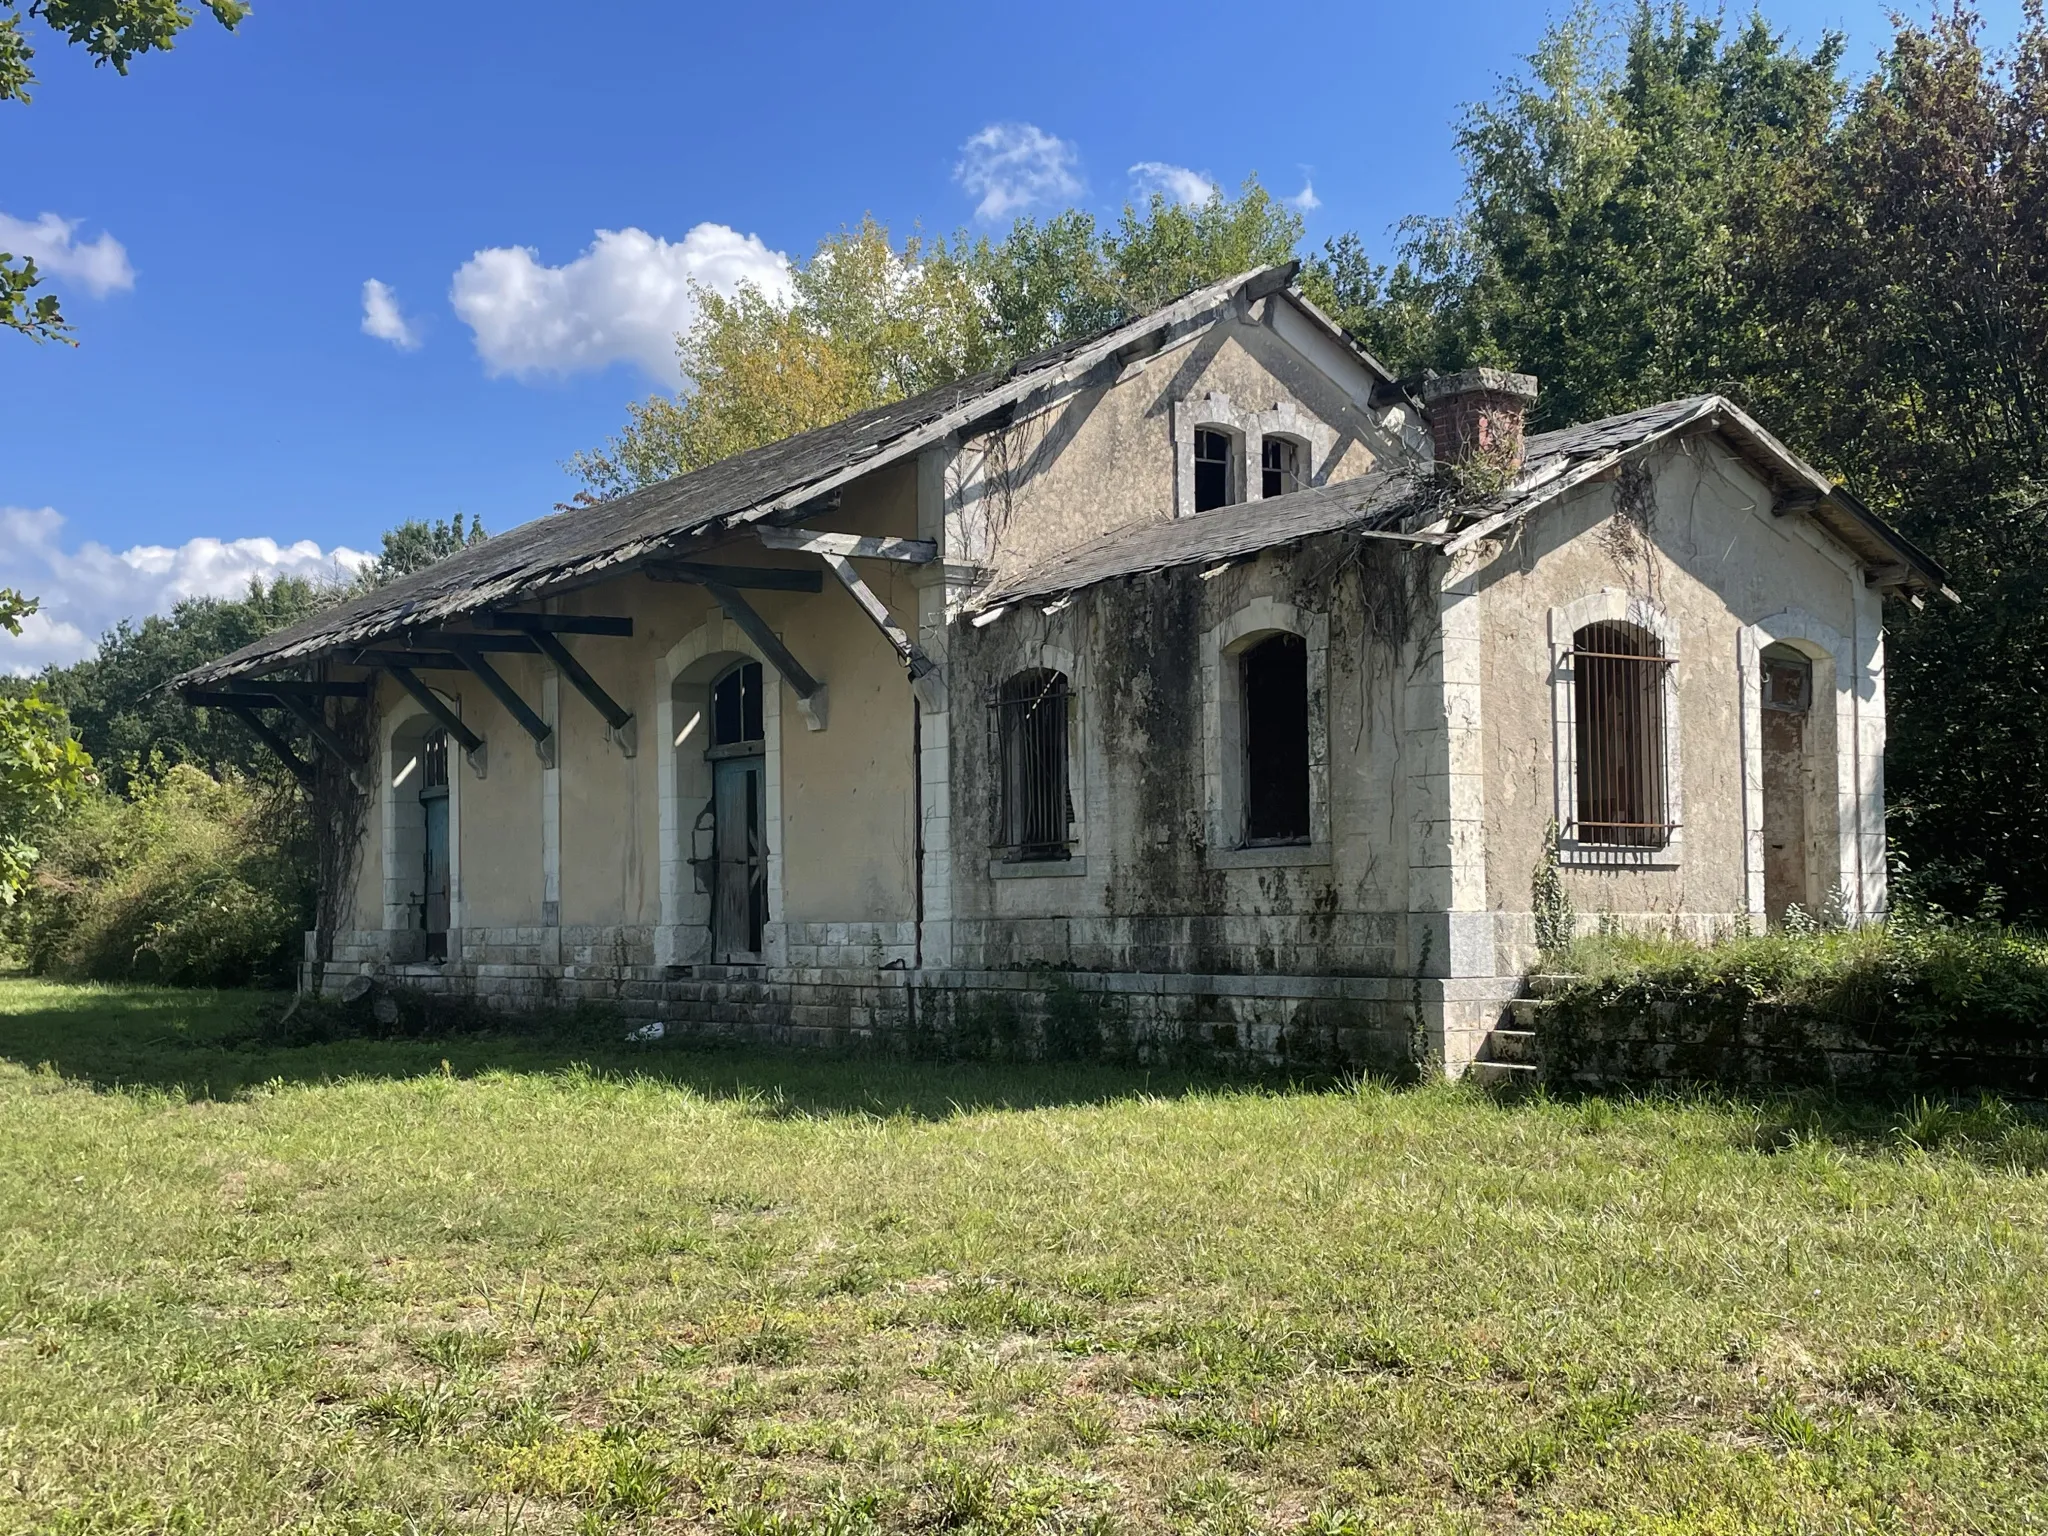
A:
[562,1284]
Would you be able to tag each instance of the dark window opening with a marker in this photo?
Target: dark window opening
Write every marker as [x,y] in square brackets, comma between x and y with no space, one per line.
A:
[434,763]
[1213,467]
[1035,810]
[435,853]
[1618,680]
[1274,678]
[1788,680]
[736,706]
[1280,471]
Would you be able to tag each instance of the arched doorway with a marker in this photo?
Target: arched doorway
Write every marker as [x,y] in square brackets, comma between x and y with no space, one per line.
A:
[420,851]
[1787,782]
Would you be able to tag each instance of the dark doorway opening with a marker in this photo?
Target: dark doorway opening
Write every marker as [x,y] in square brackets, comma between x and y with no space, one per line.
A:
[1274,679]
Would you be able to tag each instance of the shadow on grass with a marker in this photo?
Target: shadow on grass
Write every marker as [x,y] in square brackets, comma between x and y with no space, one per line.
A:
[216,1045]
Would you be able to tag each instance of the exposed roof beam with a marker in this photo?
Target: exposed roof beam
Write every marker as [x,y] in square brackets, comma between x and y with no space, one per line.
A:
[419,661]
[809,691]
[542,733]
[910,551]
[766,578]
[556,623]
[925,678]
[1800,499]
[282,685]
[521,645]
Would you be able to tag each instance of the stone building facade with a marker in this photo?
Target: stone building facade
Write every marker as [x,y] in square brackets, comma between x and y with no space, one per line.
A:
[1196,688]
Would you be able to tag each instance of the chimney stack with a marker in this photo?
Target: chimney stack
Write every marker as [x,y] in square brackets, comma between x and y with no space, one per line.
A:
[1479,413]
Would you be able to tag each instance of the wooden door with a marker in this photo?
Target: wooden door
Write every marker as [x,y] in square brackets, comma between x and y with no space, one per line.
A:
[739,895]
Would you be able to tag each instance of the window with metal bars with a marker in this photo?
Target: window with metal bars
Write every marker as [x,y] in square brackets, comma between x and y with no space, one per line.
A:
[1035,809]
[434,762]
[1619,675]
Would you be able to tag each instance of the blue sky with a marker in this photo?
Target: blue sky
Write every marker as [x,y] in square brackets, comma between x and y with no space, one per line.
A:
[226,410]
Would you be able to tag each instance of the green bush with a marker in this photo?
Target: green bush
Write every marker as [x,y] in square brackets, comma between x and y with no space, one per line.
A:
[1916,981]
[192,882]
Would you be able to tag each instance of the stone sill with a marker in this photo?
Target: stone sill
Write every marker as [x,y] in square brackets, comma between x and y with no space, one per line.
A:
[1037,869]
[1279,856]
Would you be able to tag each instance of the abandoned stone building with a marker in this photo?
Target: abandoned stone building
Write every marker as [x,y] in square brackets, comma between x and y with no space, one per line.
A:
[1200,670]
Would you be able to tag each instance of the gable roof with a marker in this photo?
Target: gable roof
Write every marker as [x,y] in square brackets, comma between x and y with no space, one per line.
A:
[775,482]
[1379,505]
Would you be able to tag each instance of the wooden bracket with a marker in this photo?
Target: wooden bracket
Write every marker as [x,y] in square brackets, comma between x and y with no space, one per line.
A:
[246,713]
[542,733]
[810,693]
[278,686]
[314,721]
[446,718]
[417,661]
[909,551]
[925,677]
[558,623]
[616,715]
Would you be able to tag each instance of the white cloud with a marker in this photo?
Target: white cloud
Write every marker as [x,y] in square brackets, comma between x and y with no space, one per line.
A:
[623,300]
[1176,183]
[84,591]
[1306,199]
[98,266]
[383,319]
[1013,165]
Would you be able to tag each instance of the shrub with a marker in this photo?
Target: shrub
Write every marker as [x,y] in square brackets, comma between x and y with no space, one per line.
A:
[191,882]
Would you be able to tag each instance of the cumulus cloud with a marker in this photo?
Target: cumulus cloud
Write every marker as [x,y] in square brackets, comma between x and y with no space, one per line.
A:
[623,300]
[1306,199]
[86,590]
[1014,165]
[383,319]
[1176,183]
[98,266]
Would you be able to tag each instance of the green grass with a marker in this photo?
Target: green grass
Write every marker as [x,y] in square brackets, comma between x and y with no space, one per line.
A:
[360,1288]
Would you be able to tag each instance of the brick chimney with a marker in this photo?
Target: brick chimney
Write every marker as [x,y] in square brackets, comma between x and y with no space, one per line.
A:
[1479,412]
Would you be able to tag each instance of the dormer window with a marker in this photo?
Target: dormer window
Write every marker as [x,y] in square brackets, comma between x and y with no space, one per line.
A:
[1215,469]
[1280,472]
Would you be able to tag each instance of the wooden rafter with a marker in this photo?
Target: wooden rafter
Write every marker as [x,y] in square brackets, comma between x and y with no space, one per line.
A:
[446,718]
[767,578]
[542,733]
[909,551]
[809,691]
[924,672]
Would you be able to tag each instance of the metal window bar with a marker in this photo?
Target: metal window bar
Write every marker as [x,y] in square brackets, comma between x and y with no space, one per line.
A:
[434,761]
[1035,811]
[1619,677]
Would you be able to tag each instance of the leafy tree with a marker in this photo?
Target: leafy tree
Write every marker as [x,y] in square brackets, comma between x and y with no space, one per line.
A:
[43,769]
[868,323]
[112,32]
[416,544]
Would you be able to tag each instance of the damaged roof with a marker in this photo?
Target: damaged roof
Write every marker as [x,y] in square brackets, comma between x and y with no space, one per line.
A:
[1382,504]
[776,482]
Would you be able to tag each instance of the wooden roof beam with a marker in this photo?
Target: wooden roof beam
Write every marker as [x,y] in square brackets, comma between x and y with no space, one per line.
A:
[925,678]
[810,693]
[472,657]
[557,623]
[472,744]
[765,578]
[910,551]
[315,721]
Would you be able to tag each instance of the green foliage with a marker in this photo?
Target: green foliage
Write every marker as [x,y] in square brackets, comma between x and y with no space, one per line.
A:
[868,323]
[1556,922]
[112,32]
[468,1283]
[119,701]
[43,771]
[416,544]
[193,881]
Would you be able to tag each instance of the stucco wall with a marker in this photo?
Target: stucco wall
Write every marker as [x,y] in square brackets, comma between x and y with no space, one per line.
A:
[1713,559]
[1106,457]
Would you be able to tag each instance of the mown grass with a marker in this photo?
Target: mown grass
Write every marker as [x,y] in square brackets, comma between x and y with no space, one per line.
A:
[355,1288]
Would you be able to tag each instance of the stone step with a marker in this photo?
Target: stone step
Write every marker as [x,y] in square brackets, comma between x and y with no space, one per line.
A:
[1516,1046]
[1527,1012]
[1502,1074]
[1548,985]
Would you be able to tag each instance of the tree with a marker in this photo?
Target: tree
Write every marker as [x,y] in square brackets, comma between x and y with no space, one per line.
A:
[112,32]
[868,323]
[43,769]
[416,544]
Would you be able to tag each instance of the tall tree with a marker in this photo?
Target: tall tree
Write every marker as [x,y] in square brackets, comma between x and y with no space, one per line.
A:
[112,33]
[868,322]
[43,769]
[416,544]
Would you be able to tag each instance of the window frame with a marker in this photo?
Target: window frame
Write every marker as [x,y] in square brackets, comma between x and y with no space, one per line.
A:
[1050,658]
[1315,443]
[1613,606]
[1224,646]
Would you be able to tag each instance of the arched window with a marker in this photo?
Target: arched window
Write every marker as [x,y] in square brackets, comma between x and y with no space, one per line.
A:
[1216,473]
[1281,460]
[419,848]
[737,815]
[1619,676]
[736,706]
[1273,683]
[1035,808]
